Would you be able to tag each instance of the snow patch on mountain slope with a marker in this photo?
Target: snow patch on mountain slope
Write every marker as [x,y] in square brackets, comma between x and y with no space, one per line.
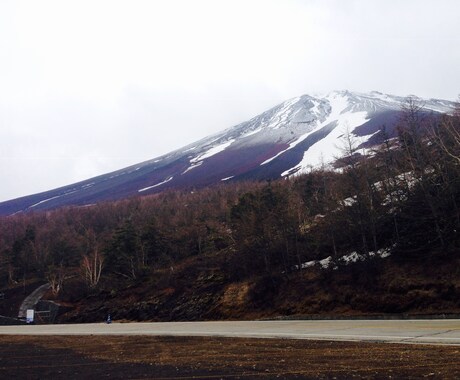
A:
[315,126]
[212,151]
[192,167]
[329,148]
[438,107]
[156,185]
[291,145]
[283,114]
[67,192]
[44,200]
[250,133]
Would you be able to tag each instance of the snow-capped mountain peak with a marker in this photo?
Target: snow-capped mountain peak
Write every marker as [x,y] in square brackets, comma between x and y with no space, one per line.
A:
[290,138]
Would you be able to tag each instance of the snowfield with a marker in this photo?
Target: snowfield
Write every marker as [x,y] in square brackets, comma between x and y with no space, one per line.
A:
[330,148]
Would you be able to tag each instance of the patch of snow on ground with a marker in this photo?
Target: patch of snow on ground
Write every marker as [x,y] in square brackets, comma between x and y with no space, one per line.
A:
[227,178]
[350,201]
[192,167]
[71,191]
[308,264]
[188,150]
[158,184]
[351,258]
[384,98]
[328,148]
[382,253]
[315,111]
[291,145]
[326,263]
[211,152]
[282,115]
[437,108]
[44,200]
[251,132]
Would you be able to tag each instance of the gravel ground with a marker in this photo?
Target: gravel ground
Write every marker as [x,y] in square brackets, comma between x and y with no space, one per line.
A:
[141,357]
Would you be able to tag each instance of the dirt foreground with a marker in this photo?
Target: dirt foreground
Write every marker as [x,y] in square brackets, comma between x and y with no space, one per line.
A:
[142,357]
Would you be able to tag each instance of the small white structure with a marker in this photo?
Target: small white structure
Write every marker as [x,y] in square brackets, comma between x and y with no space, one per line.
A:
[30,316]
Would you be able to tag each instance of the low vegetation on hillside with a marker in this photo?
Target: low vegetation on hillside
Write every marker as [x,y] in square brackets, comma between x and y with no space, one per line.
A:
[243,250]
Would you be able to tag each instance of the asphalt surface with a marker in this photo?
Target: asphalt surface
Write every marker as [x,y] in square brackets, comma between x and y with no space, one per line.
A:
[445,332]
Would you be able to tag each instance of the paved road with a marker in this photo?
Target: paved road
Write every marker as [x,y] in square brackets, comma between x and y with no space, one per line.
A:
[396,331]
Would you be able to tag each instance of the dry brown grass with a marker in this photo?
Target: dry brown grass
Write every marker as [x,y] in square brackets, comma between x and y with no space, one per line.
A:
[200,357]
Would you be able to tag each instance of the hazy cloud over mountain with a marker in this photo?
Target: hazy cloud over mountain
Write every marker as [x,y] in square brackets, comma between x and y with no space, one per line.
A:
[91,86]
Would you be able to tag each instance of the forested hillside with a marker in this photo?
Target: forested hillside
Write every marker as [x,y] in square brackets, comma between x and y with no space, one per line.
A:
[378,234]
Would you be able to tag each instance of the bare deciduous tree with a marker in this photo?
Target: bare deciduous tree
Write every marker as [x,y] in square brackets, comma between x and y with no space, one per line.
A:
[92,265]
[55,277]
[447,135]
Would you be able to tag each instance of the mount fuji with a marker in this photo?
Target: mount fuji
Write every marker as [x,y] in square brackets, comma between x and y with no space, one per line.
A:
[288,139]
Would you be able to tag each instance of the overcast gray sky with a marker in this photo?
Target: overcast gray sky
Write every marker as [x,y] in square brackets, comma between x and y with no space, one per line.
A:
[91,86]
